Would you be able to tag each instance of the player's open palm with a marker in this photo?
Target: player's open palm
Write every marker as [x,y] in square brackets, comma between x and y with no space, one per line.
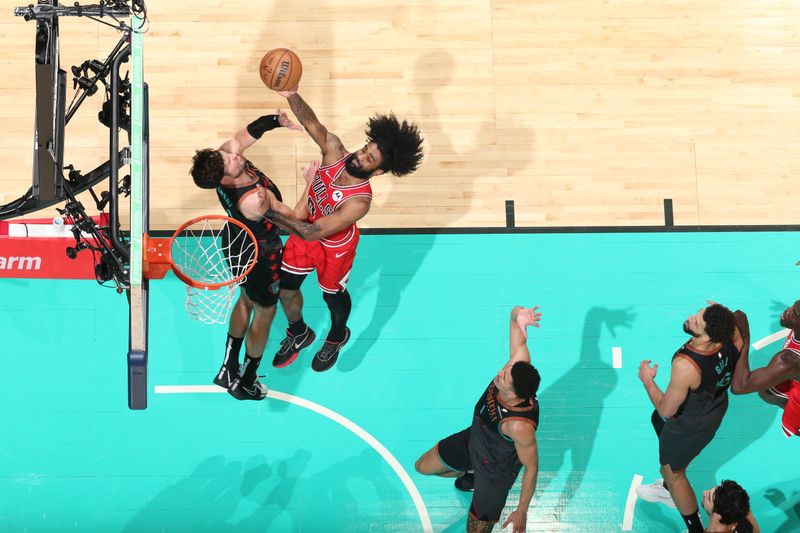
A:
[286,122]
[310,171]
[528,317]
[517,520]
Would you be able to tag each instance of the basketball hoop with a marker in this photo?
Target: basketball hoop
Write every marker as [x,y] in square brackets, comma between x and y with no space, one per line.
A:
[212,255]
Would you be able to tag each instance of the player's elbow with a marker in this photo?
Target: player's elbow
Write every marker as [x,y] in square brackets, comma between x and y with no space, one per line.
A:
[666,412]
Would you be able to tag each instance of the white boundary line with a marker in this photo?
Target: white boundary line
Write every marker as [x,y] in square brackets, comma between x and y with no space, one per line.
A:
[627,520]
[616,356]
[769,339]
[427,527]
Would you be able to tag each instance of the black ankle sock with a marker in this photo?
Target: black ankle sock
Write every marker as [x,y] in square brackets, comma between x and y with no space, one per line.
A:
[232,347]
[693,522]
[249,368]
[298,328]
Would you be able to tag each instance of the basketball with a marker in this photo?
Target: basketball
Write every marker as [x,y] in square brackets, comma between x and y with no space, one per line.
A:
[281,69]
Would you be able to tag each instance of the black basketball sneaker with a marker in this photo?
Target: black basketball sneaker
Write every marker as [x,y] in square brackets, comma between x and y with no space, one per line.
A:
[327,355]
[291,346]
[226,376]
[244,391]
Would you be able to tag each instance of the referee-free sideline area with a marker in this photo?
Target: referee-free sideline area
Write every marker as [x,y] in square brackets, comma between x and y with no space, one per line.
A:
[429,323]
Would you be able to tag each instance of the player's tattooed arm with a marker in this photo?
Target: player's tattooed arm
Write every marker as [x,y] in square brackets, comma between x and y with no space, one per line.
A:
[327,141]
[300,228]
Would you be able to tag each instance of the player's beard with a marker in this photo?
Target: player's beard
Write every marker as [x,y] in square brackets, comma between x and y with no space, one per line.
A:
[689,331]
[356,172]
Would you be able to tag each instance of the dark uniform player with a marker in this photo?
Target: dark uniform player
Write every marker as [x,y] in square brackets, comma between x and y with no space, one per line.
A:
[501,439]
[337,198]
[779,382]
[688,414]
[243,190]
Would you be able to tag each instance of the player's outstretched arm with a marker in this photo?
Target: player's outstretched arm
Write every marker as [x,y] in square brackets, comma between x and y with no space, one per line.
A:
[351,211]
[521,318]
[329,144]
[253,131]
[783,365]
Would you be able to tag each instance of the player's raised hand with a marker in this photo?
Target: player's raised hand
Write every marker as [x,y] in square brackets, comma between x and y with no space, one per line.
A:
[286,122]
[528,317]
[646,373]
[311,171]
[287,94]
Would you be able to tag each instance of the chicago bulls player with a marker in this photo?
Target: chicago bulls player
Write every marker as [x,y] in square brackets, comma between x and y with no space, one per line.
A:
[779,382]
[338,196]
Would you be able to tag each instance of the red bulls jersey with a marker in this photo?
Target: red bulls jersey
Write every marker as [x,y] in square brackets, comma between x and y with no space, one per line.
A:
[792,343]
[325,197]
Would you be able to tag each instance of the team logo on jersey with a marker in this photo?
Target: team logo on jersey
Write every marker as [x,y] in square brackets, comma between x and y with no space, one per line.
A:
[337,195]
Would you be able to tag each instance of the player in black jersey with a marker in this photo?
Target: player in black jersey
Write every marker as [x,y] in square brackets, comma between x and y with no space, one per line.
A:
[688,414]
[245,193]
[500,440]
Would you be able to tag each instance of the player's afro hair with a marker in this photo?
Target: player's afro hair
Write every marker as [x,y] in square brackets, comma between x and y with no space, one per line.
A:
[400,144]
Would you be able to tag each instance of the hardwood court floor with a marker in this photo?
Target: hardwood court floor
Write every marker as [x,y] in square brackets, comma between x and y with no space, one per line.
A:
[585,113]
[429,331]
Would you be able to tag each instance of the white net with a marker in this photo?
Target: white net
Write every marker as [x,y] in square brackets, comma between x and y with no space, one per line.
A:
[214,253]
[210,306]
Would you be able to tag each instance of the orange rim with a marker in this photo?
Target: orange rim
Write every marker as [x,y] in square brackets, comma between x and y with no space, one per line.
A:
[187,279]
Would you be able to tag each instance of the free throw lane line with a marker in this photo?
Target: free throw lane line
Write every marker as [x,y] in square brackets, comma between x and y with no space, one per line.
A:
[627,519]
[769,339]
[616,356]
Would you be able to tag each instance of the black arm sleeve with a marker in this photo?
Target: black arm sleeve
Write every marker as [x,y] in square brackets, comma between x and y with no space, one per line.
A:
[262,124]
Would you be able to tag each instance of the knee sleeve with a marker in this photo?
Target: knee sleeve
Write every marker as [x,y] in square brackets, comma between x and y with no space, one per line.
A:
[291,282]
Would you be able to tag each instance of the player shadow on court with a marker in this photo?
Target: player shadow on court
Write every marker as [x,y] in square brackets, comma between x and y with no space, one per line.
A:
[786,504]
[340,496]
[275,486]
[208,498]
[584,387]
[433,73]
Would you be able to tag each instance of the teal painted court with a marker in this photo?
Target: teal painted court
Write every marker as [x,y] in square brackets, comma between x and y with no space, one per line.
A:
[430,329]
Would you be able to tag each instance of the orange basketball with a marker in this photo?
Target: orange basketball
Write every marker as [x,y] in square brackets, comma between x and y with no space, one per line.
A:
[281,69]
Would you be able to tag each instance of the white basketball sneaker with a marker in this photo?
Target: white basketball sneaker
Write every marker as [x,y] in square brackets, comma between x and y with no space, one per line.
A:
[656,493]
